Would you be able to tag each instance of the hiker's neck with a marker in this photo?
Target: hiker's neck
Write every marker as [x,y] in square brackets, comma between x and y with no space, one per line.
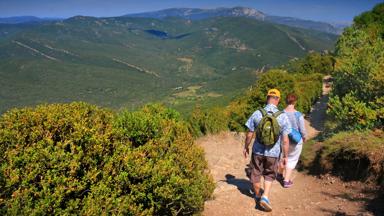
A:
[290,107]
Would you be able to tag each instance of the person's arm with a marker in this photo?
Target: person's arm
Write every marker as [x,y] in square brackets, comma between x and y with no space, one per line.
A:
[248,140]
[286,130]
[251,125]
[285,149]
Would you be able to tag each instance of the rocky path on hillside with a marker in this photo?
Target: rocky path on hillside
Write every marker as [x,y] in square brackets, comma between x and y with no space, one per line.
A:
[310,195]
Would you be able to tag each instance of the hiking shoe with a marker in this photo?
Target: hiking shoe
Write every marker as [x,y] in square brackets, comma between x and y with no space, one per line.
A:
[279,177]
[264,202]
[288,184]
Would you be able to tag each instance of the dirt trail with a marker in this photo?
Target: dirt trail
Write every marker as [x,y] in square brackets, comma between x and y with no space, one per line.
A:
[310,195]
[315,121]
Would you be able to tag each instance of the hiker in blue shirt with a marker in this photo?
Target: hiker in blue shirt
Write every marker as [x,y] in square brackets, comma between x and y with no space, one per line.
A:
[265,159]
[296,139]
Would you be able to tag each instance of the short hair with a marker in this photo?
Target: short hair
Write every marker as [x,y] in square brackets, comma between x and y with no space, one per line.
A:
[291,99]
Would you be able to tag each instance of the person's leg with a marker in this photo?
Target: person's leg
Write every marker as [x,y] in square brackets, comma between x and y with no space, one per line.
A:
[256,189]
[270,172]
[293,158]
[288,174]
[256,172]
[267,188]
[280,171]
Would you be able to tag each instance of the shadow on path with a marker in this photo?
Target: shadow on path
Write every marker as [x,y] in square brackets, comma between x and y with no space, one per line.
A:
[376,205]
[243,185]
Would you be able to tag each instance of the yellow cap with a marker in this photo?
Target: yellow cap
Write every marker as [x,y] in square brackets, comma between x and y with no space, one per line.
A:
[274,92]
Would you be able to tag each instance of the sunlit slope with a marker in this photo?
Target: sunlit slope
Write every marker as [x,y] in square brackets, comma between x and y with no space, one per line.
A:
[126,62]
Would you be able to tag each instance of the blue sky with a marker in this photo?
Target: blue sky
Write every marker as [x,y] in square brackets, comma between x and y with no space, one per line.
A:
[323,10]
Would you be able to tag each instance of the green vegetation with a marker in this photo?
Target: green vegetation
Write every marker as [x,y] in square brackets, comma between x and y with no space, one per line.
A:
[358,96]
[372,20]
[203,122]
[80,159]
[115,62]
[352,144]
[355,155]
[312,63]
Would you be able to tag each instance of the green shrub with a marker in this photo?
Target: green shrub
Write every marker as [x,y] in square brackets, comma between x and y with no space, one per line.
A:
[170,168]
[312,63]
[144,125]
[213,120]
[79,159]
[51,156]
[308,88]
[351,113]
[373,19]
[358,77]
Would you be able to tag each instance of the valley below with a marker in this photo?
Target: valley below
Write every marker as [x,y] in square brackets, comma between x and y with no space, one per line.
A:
[125,62]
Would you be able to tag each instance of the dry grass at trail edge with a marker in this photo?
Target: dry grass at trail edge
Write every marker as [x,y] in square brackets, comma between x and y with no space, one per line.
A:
[356,155]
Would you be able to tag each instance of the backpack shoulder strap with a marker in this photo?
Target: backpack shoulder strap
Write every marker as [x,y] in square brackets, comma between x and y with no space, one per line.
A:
[276,114]
[263,112]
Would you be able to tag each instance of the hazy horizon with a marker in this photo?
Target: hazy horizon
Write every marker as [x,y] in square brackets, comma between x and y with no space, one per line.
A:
[329,11]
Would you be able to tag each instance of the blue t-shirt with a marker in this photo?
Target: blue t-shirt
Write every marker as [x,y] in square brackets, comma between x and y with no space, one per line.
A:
[296,119]
[285,129]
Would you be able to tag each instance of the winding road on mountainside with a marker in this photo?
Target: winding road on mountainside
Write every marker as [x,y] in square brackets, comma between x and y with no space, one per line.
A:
[310,195]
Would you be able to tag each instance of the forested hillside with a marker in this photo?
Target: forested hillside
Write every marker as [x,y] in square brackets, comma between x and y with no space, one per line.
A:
[127,62]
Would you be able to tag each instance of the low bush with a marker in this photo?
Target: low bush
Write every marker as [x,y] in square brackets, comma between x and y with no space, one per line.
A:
[350,113]
[79,159]
[312,63]
[213,120]
[309,89]
[51,156]
[355,155]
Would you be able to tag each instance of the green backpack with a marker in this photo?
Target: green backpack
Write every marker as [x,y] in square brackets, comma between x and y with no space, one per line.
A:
[268,129]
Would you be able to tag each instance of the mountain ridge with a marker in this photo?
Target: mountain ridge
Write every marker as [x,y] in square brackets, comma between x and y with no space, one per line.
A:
[198,13]
[26,19]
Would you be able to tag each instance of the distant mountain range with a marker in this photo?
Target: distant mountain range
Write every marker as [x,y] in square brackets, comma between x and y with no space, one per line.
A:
[197,14]
[25,19]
